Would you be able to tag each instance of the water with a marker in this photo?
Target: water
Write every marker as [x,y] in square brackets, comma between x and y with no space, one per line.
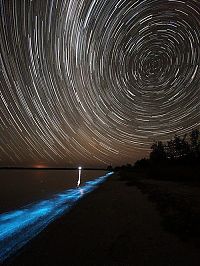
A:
[21,187]
[19,226]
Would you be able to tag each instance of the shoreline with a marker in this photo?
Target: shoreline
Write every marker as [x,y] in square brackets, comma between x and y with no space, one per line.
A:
[114,225]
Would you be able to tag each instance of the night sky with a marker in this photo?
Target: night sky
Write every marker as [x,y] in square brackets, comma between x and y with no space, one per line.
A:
[94,82]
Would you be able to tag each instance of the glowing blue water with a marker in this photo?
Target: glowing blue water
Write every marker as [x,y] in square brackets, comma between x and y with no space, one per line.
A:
[19,226]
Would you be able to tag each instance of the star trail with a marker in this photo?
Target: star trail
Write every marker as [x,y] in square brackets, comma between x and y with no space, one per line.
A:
[96,81]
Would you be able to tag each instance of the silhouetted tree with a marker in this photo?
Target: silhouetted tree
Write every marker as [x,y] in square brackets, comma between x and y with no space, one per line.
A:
[195,144]
[177,159]
[170,150]
[178,148]
[181,147]
[158,152]
[141,164]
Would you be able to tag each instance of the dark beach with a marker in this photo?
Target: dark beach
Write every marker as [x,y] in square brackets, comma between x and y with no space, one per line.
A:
[118,224]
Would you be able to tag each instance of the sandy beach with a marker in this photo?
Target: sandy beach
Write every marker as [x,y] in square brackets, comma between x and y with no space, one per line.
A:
[114,225]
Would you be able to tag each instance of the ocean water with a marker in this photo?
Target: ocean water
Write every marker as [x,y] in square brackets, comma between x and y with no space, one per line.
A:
[32,214]
[21,187]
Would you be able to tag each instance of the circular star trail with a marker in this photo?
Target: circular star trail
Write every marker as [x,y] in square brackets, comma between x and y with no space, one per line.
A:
[96,81]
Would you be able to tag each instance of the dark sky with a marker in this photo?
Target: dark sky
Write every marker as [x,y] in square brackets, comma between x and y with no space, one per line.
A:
[94,82]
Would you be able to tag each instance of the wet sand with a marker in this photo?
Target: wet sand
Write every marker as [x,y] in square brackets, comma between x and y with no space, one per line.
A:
[114,225]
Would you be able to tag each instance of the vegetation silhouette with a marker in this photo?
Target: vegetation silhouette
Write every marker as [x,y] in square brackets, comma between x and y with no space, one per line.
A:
[177,159]
[178,149]
[170,178]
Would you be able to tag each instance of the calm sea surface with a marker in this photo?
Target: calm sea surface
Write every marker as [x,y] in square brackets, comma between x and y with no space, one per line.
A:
[21,187]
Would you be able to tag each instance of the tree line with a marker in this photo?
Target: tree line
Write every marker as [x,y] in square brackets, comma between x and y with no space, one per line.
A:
[179,150]
[182,149]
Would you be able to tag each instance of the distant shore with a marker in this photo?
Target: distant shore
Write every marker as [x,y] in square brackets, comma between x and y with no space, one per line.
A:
[49,168]
[114,225]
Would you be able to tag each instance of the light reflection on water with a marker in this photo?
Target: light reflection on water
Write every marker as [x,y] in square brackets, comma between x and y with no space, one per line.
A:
[21,187]
[19,226]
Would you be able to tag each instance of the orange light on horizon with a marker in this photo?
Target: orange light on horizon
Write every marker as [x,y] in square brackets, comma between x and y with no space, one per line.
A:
[40,166]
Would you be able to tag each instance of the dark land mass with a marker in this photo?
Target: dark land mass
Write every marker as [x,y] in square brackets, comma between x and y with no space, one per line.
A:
[170,178]
[177,201]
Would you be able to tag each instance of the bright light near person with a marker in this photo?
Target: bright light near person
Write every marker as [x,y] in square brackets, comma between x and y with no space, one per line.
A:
[79,176]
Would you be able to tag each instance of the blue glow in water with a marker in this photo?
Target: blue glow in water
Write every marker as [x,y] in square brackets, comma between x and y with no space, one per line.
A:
[19,226]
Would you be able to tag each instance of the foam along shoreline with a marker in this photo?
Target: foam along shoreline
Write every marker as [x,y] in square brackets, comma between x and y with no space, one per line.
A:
[20,226]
